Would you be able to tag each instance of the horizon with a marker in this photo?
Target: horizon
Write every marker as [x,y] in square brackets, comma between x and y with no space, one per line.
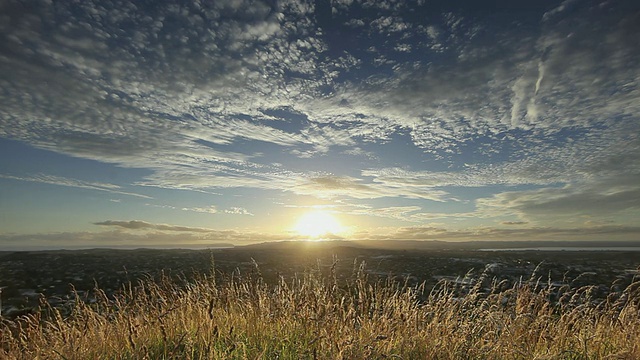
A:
[393,245]
[161,125]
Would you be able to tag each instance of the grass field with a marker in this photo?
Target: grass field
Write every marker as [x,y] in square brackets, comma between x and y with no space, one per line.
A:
[316,316]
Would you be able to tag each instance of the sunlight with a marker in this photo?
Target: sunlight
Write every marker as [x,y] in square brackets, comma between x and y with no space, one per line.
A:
[318,224]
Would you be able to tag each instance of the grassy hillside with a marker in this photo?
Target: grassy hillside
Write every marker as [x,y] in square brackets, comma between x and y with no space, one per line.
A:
[314,316]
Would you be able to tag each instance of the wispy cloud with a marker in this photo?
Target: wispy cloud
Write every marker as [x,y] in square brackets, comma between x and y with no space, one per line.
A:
[237,211]
[214,210]
[186,239]
[328,186]
[143,225]
[406,213]
[514,222]
[62,181]
[608,232]
[131,239]
[208,210]
[591,199]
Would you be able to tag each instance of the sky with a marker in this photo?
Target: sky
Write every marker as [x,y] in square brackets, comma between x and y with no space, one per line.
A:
[153,123]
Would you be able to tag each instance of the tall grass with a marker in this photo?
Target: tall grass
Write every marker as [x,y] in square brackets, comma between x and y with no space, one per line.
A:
[316,316]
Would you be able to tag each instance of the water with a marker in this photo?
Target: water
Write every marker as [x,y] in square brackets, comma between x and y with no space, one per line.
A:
[568,248]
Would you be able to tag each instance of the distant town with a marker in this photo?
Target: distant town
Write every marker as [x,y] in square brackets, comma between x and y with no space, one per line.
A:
[57,277]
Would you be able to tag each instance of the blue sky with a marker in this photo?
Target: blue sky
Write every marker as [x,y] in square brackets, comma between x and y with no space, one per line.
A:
[131,124]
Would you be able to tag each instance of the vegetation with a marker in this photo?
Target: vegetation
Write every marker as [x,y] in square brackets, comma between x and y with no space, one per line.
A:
[318,316]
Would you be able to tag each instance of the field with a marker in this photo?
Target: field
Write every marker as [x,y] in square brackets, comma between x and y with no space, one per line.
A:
[323,302]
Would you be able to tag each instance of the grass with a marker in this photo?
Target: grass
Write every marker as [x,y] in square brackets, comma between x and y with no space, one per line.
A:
[316,316]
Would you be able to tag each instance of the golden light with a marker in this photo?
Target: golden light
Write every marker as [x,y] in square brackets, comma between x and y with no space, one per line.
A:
[318,224]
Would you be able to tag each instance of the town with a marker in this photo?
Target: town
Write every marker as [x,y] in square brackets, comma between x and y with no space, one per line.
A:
[27,278]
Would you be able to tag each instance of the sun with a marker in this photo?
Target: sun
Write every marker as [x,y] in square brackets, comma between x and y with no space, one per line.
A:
[318,224]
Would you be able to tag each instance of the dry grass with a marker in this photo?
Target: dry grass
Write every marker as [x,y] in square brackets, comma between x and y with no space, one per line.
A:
[315,317]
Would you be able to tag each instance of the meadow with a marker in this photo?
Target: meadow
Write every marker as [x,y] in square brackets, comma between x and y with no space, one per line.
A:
[318,315]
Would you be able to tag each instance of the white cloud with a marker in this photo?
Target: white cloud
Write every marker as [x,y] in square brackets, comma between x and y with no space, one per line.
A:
[403,48]
[355,23]
[237,211]
[214,210]
[208,210]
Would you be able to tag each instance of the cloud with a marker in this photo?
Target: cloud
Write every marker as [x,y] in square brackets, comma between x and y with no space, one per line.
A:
[329,186]
[214,210]
[332,185]
[237,211]
[188,91]
[208,210]
[74,183]
[413,213]
[143,225]
[603,233]
[614,197]
[514,222]
[504,89]
[128,239]
[530,171]
[405,213]
[394,212]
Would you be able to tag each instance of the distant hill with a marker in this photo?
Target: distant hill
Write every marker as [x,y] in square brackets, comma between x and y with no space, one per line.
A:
[435,244]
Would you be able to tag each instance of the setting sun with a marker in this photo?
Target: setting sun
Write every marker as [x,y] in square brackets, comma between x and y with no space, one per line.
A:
[318,224]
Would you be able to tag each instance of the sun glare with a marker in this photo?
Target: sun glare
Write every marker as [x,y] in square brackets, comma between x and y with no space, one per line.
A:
[318,224]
